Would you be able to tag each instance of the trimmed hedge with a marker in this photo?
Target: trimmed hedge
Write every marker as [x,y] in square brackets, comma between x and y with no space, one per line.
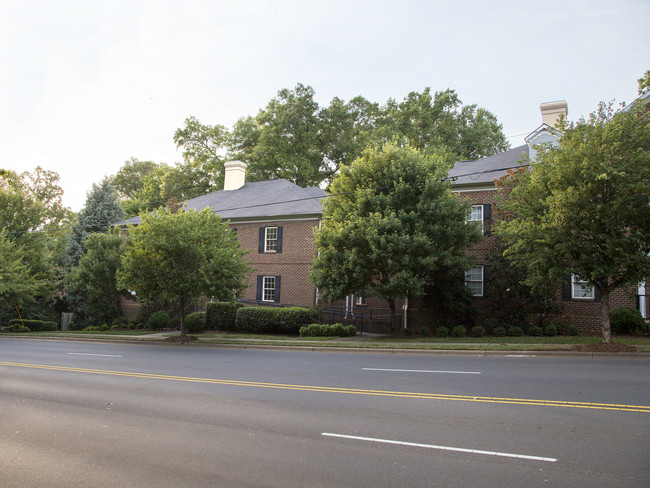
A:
[158,320]
[324,330]
[16,328]
[274,320]
[194,323]
[35,325]
[221,315]
[624,320]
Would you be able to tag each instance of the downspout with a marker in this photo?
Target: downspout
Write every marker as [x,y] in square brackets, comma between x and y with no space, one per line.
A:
[317,292]
[642,300]
[405,307]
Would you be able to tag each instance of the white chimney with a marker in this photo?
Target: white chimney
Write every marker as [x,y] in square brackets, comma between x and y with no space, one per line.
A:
[551,111]
[235,176]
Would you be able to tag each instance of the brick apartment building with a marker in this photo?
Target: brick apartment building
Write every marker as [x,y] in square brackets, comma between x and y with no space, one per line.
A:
[275,221]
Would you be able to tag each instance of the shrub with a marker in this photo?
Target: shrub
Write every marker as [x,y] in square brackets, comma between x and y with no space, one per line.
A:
[324,330]
[535,331]
[458,331]
[550,330]
[499,331]
[221,315]
[442,332]
[104,327]
[115,327]
[625,320]
[425,331]
[572,330]
[478,331]
[16,328]
[274,320]
[157,320]
[93,328]
[194,323]
[35,325]
[515,331]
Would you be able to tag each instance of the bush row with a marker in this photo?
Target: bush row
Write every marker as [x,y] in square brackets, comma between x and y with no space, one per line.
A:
[324,330]
[274,320]
[34,325]
[501,331]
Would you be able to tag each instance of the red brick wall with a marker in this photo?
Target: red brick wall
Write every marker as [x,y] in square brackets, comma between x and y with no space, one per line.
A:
[292,264]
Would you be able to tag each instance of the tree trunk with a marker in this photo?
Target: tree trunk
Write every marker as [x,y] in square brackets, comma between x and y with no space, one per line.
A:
[183,331]
[391,304]
[604,316]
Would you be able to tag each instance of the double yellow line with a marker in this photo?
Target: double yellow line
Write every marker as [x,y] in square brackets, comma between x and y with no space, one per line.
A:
[348,391]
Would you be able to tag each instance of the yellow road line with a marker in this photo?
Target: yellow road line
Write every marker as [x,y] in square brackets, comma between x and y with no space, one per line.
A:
[350,391]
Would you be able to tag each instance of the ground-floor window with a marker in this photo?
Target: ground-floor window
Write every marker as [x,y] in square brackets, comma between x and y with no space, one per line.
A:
[474,280]
[581,289]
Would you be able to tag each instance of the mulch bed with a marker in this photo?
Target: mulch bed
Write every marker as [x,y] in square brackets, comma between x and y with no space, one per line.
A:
[603,347]
[181,339]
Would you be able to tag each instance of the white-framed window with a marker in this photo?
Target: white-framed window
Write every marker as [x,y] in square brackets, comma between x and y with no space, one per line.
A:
[270,239]
[476,215]
[268,289]
[360,300]
[474,280]
[581,290]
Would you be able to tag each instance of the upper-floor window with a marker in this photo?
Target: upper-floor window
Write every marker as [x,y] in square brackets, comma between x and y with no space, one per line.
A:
[360,300]
[270,239]
[476,215]
[581,289]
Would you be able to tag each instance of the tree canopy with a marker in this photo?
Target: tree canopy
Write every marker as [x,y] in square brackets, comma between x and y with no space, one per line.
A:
[390,225]
[93,281]
[101,210]
[583,207]
[181,256]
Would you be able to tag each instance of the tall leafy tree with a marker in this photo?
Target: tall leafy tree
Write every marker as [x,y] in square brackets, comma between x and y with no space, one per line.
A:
[94,280]
[18,284]
[583,207]
[182,256]
[390,226]
[102,209]
[204,148]
[33,218]
[441,120]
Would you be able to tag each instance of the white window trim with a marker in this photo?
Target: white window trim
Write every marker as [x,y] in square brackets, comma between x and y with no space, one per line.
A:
[481,220]
[266,288]
[583,284]
[268,241]
[482,281]
[360,300]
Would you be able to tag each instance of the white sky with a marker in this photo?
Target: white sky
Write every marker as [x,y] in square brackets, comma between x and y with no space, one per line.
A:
[87,84]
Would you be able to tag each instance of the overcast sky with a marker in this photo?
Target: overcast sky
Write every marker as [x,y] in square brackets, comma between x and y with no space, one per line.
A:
[85,85]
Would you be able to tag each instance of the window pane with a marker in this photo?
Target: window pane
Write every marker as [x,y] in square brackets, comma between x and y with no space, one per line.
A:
[474,280]
[269,289]
[581,289]
[271,239]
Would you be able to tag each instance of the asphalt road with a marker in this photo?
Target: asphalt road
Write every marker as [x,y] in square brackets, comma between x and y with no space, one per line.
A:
[95,415]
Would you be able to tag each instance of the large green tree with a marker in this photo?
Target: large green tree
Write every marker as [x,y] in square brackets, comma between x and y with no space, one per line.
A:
[427,121]
[182,256]
[102,209]
[583,207]
[34,220]
[390,225]
[18,284]
[94,280]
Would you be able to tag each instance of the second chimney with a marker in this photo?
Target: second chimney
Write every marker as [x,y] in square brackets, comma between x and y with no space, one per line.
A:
[235,175]
[551,111]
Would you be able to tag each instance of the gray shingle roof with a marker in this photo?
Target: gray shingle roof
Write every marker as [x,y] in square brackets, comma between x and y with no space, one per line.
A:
[258,199]
[486,170]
